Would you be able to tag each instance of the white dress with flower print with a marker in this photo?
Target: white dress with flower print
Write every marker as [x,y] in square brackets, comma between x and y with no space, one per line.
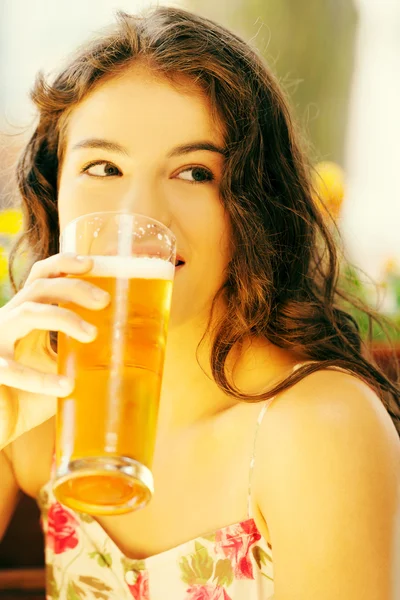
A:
[82,561]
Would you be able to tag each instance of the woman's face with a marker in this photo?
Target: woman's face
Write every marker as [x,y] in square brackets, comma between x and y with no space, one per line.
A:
[138,143]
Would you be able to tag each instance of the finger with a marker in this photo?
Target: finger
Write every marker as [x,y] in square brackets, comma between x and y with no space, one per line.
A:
[63,289]
[21,377]
[58,265]
[31,315]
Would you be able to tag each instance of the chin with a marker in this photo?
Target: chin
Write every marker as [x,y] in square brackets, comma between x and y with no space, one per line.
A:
[191,300]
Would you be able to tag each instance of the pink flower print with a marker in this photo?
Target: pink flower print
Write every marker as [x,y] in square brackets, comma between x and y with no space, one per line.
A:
[140,589]
[207,592]
[62,529]
[235,542]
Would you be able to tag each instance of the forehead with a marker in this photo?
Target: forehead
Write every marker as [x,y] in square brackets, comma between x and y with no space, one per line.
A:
[141,105]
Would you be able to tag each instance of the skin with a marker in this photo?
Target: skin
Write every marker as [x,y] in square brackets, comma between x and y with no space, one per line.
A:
[150,118]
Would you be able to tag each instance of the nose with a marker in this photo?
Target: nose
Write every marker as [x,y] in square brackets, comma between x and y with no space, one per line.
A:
[146,198]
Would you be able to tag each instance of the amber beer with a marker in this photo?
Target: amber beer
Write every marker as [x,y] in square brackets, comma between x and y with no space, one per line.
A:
[110,418]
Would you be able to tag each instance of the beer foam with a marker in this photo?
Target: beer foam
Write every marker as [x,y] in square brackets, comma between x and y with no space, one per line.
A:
[132,267]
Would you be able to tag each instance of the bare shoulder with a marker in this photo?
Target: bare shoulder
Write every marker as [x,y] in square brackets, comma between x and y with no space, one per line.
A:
[331,410]
[32,455]
[327,482]
[330,400]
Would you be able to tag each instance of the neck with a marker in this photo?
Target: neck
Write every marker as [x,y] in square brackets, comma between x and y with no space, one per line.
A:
[189,393]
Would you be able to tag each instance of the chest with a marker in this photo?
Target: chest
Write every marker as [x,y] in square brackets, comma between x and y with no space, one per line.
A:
[201,485]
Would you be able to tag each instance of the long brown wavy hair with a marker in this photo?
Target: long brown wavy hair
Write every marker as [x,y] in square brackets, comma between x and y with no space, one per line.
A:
[282,282]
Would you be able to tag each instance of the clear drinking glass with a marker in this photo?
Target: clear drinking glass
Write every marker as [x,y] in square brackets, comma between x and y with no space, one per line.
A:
[106,428]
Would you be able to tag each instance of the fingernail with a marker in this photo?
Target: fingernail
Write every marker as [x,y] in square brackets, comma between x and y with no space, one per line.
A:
[99,294]
[82,259]
[64,383]
[89,328]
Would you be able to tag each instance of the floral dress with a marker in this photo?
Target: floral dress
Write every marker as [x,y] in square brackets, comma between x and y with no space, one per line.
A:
[82,562]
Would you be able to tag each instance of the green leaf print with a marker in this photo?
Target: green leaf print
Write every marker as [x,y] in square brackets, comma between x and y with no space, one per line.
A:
[200,568]
[85,517]
[94,583]
[103,559]
[223,572]
[74,592]
[211,537]
[260,556]
[202,562]
[128,564]
[51,585]
[187,574]
[43,501]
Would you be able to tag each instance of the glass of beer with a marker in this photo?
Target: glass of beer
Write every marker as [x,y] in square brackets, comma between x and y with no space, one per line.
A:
[106,427]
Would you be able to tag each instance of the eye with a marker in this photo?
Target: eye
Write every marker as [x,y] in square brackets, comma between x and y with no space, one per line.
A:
[101,168]
[196,175]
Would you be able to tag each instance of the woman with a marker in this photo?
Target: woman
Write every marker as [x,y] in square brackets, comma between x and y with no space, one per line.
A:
[174,117]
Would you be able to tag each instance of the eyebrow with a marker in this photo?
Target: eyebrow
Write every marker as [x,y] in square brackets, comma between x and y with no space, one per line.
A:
[103,144]
[195,147]
[178,151]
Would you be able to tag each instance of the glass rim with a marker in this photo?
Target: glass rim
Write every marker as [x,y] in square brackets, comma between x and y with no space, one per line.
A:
[116,212]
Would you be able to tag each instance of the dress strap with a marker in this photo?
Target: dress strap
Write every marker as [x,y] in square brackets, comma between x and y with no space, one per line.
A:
[257,428]
[253,456]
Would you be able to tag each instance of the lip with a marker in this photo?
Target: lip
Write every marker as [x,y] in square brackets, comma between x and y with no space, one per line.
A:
[179,258]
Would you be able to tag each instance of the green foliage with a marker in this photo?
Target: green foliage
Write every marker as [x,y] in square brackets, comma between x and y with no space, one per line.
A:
[352,285]
[4,293]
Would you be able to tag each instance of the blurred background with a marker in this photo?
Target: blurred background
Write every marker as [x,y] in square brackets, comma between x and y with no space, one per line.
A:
[339,62]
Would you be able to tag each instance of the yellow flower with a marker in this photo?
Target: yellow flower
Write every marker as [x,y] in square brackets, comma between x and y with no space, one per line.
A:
[329,185]
[3,264]
[10,221]
[390,266]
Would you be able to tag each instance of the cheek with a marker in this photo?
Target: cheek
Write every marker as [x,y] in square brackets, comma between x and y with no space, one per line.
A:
[70,204]
[78,196]
[66,204]
[205,232]
[204,224]
[213,251]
